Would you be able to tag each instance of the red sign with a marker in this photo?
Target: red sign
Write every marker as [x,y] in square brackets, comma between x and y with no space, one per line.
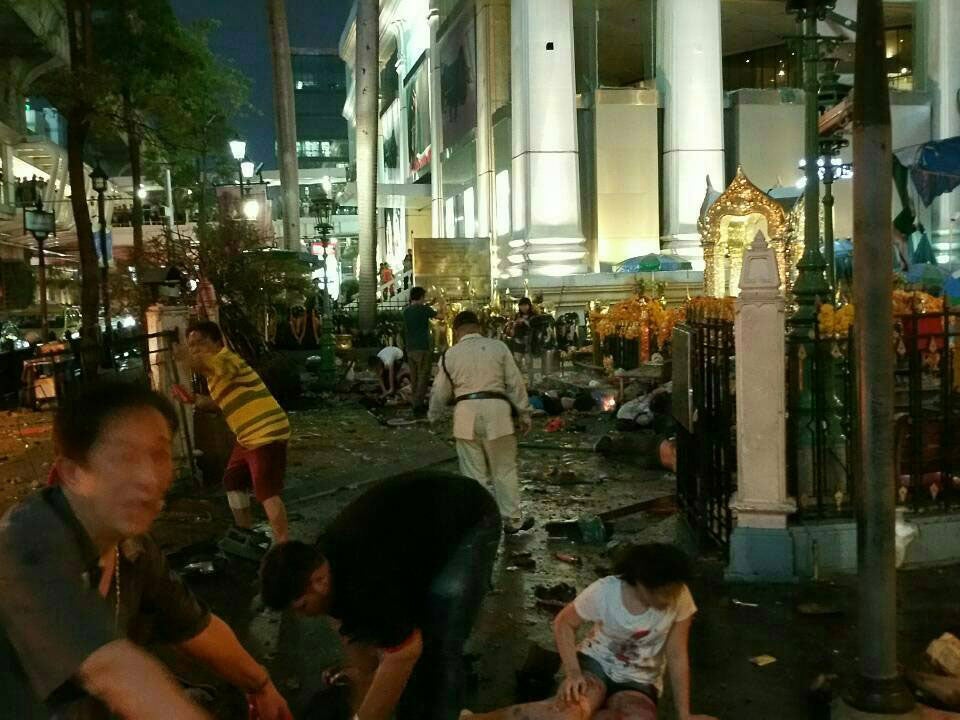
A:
[316,248]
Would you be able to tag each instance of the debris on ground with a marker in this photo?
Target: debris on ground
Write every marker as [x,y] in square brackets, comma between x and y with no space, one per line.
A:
[569,559]
[522,560]
[938,691]
[815,608]
[554,596]
[763,660]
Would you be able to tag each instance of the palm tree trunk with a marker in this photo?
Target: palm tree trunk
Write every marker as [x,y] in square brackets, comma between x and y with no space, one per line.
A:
[367,73]
[80,28]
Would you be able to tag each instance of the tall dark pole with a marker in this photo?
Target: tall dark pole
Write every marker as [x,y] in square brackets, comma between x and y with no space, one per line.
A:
[828,250]
[879,688]
[104,281]
[42,282]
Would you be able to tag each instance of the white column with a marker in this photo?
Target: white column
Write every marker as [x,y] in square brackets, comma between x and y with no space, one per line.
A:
[761,500]
[690,80]
[436,129]
[943,80]
[547,235]
[9,181]
[490,96]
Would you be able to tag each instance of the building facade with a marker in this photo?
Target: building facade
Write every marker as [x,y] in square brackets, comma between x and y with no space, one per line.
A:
[320,91]
[572,135]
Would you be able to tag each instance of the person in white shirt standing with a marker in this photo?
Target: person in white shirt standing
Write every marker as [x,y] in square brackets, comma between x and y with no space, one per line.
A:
[481,378]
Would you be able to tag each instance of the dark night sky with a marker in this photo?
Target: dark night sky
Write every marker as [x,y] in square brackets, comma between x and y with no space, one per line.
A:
[242,39]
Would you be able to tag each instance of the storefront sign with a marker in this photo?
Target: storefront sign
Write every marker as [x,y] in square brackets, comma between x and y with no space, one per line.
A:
[417,88]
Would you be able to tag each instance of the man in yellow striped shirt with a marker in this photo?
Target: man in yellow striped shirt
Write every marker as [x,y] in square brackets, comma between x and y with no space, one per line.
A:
[259,459]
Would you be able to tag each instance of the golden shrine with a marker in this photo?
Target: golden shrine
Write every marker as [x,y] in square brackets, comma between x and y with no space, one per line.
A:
[729,224]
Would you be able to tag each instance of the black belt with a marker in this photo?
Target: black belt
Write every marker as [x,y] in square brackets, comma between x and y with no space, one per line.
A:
[487,395]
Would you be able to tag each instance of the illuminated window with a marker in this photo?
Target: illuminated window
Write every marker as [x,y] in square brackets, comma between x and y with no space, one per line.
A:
[311,148]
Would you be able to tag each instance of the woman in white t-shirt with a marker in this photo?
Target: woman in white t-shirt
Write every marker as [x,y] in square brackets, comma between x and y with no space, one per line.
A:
[640,627]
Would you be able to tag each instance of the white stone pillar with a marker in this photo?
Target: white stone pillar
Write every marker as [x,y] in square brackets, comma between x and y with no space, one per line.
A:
[690,80]
[547,235]
[761,547]
[942,25]
[436,129]
[491,94]
[9,181]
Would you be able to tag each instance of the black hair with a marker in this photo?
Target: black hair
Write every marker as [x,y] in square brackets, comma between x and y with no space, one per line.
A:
[208,329]
[417,293]
[465,317]
[285,573]
[653,565]
[661,403]
[84,413]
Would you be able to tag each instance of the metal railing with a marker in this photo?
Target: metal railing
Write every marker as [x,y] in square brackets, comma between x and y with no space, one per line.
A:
[707,451]
[926,383]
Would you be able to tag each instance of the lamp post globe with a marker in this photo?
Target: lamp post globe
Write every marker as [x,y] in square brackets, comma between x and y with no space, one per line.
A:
[238,148]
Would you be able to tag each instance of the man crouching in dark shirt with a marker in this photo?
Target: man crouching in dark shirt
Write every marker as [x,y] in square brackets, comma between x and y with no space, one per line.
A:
[84,587]
[402,571]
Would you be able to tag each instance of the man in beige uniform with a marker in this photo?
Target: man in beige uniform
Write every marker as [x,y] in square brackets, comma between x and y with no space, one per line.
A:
[480,376]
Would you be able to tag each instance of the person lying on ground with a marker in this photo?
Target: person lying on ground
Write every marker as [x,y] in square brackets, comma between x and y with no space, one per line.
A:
[85,587]
[640,620]
[402,572]
[390,369]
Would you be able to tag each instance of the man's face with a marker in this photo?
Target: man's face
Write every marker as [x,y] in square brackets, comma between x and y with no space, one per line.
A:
[127,472]
[200,345]
[316,599]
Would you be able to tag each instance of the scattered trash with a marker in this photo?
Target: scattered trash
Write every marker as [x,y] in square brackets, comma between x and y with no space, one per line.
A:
[763,660]
[244,544]
[555,425]
[815,608]
[569,559]
[198,567]
[588,529]
[741,603]
[944,653]
[522,560]
[554,597]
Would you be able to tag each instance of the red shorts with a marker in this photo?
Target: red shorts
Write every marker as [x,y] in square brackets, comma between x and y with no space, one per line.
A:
[262,469]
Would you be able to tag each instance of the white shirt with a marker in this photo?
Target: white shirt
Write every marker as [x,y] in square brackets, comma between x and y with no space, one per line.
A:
[478,364]
[391,356]
[629,647]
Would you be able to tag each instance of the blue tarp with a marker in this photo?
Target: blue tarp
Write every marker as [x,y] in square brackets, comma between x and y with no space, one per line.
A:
[937,169]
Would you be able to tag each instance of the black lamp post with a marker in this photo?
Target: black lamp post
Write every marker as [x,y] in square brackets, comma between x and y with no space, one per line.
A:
[98,180]
[41,224]
[322,208]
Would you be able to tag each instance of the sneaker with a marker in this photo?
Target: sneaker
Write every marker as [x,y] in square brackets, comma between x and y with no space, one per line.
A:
[510,528]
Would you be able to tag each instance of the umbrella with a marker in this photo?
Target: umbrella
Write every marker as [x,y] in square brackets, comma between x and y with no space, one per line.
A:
[937,169]
[652,263]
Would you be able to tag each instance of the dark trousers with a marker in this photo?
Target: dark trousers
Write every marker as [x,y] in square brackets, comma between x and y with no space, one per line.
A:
[420,363]
[436,687]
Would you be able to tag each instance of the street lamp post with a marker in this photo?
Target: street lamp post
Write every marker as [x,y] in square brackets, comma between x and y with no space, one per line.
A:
[323,208]
[41,224]
[238,148]
[98,180]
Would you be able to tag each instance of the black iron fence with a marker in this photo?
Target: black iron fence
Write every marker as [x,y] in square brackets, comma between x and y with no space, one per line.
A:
[706,440]
[823,418]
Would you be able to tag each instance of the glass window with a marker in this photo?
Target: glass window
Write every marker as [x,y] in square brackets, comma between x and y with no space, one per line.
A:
[311,148]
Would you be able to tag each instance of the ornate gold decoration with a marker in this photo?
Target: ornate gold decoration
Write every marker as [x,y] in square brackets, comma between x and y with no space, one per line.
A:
[728,227]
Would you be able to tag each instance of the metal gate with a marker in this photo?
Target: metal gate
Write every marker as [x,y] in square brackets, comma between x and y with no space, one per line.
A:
[704,405]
